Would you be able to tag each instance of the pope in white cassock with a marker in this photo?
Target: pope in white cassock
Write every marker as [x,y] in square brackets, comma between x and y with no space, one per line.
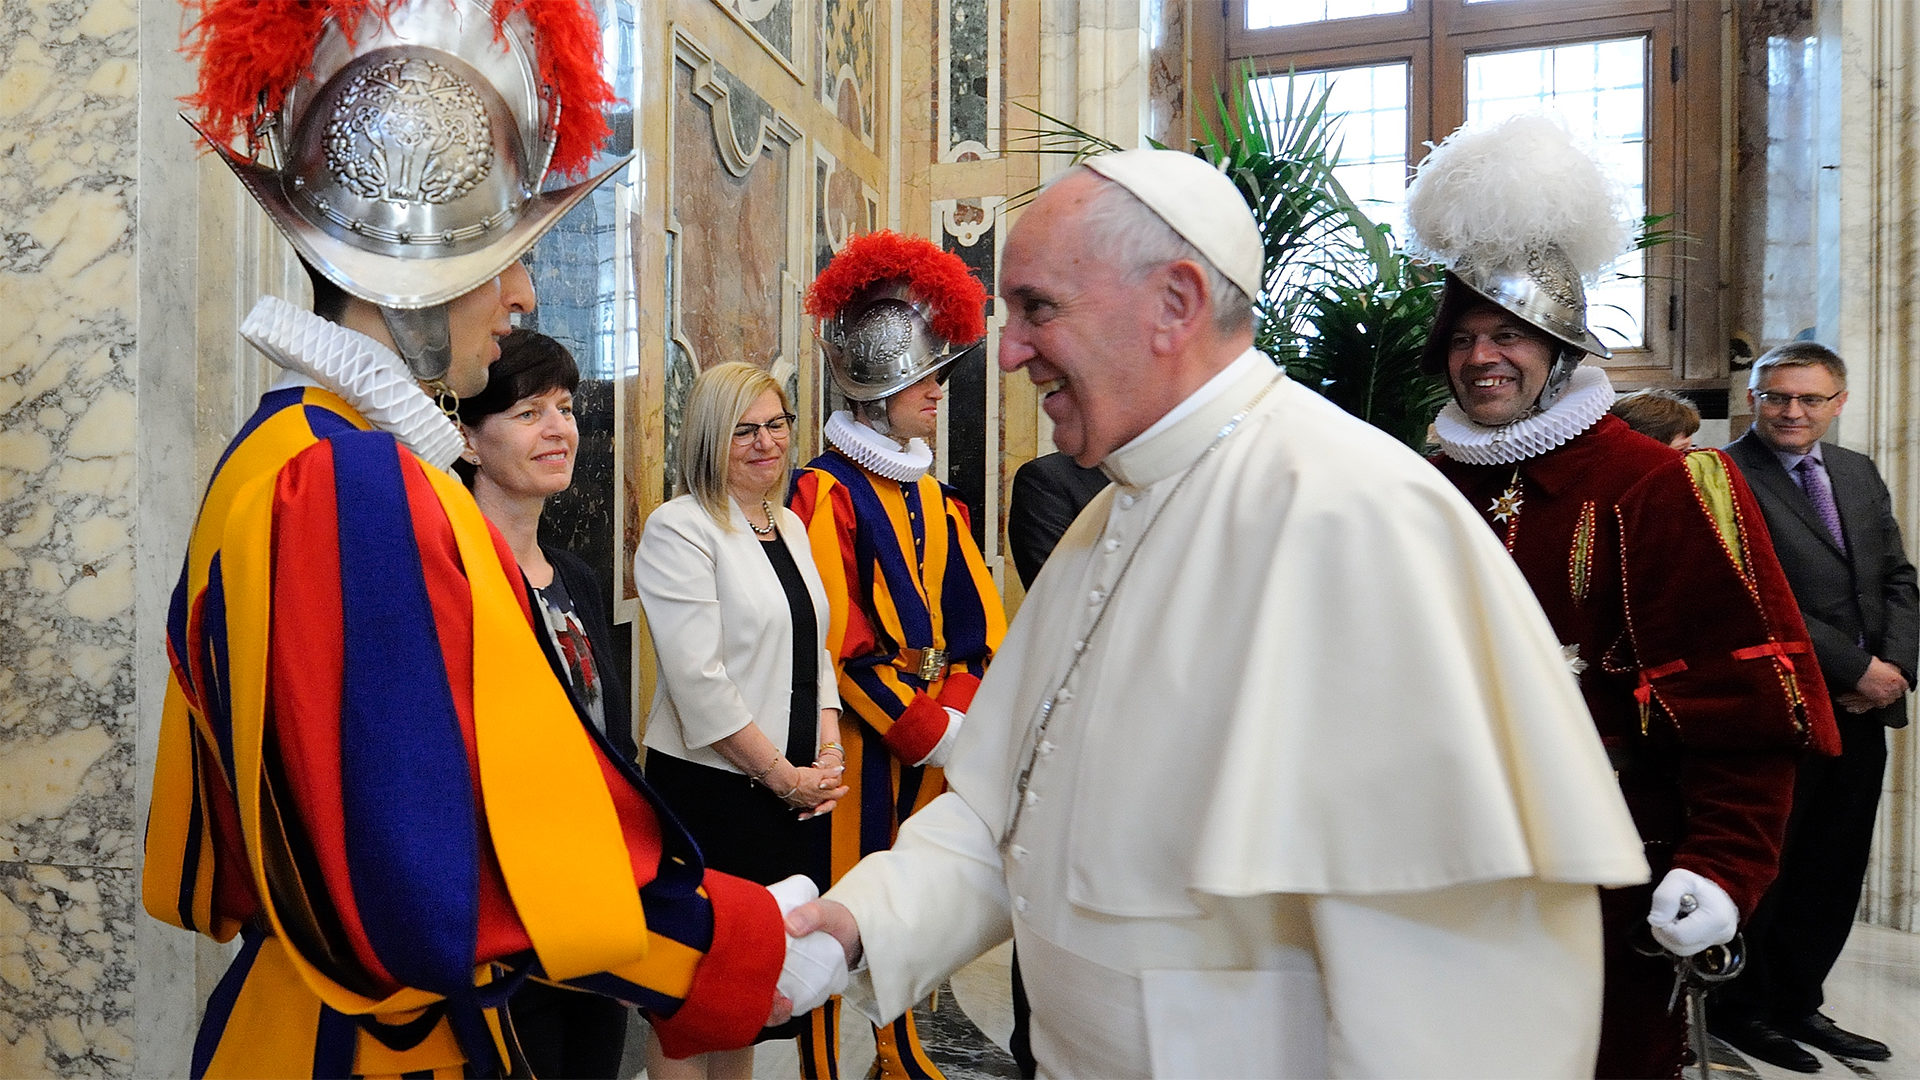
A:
[1280,771]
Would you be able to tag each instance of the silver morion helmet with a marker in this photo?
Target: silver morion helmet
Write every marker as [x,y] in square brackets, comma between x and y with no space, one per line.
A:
[882,345]
[1521,216]
[405,161]
[1542,288]
[892,309]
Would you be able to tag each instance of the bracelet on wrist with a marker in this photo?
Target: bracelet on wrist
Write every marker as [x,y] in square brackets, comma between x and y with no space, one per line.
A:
[761,776]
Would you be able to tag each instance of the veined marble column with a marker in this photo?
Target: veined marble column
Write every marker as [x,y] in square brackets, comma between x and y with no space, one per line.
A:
[1876,327]
[68,422]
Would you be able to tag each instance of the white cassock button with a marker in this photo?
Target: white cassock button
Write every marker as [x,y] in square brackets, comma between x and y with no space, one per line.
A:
[1079,646]
[1032,797]
[1095,597]
[1113,544]
[1019,853]
[1045,748]
[1126,502]
[1064,695]
[1020,904]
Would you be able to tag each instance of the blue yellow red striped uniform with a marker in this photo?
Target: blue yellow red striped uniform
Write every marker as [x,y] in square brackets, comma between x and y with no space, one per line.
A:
[902,572]
[368,769]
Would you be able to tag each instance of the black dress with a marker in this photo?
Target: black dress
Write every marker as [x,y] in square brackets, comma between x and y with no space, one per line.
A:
[562,1032]
[742,828]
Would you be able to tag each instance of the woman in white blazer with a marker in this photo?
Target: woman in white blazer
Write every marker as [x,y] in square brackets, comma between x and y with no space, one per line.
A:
[745,693]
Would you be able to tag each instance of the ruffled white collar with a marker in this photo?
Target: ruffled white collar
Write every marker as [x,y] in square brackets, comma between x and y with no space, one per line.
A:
[362,372]
[1589,395]
[877,453]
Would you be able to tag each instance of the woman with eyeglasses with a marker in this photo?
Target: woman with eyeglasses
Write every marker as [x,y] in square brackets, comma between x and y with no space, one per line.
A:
[743,737]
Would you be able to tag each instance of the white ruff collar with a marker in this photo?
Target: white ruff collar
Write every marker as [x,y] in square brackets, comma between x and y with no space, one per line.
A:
[364,373]
[1589,395]
[877,453]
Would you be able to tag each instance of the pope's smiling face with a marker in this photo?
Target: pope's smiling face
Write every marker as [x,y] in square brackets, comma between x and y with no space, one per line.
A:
[1497,365]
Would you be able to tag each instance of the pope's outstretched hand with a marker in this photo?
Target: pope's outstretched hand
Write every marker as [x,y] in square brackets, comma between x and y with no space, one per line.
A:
[816,963]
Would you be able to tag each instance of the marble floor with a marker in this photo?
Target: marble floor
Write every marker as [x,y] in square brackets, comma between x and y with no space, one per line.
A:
[1875,990]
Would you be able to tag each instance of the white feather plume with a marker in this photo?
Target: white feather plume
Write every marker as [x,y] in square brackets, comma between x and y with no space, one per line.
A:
[1488,195]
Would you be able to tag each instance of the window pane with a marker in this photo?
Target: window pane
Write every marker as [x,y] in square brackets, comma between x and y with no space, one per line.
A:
[1262,14]
[1599,88]
[1371,103]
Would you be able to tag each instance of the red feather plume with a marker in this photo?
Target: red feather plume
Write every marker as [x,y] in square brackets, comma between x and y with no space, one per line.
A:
[937,277]
[569,38]
[252,51]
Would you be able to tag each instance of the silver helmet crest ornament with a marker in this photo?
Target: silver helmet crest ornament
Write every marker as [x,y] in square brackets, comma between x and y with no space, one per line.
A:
[400,145]
[1522,217]
[891,309]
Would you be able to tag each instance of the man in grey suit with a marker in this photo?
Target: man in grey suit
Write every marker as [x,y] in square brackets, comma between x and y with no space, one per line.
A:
[1832,522]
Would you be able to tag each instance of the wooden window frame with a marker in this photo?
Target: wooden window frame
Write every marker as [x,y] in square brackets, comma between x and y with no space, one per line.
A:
[1685,321]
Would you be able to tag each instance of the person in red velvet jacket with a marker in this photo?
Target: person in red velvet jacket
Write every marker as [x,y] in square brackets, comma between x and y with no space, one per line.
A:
[1654,567]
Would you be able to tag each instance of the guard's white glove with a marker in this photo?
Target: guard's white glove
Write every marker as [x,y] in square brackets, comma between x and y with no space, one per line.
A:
[816,965]
[1712,922]
[937,757]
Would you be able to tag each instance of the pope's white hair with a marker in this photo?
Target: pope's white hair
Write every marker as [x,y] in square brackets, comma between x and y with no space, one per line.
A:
[1491,193]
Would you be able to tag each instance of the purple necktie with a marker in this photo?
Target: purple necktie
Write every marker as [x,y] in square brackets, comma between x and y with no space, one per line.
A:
[1813,481]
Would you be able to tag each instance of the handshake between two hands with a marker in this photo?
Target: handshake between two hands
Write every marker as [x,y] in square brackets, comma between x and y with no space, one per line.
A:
[816,964]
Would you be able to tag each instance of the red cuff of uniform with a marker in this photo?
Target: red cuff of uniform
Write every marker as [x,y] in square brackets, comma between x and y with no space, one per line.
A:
[918,731]
[957,692]
[733,988]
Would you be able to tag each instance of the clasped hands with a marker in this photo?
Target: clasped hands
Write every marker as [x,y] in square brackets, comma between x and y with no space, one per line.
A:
[1881,685]
[818,955]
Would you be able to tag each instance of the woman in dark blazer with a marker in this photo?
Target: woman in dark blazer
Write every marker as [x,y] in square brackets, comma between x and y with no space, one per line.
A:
[743,738]
[521,441]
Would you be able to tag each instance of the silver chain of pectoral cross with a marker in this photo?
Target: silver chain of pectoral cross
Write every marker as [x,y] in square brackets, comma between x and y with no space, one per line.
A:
[1086,640]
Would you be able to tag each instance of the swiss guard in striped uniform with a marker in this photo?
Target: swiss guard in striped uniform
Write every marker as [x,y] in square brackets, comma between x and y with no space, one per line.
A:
[916,617]
[368,768]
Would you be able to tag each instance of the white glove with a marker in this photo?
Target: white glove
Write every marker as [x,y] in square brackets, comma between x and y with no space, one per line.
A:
[937,757]
[816,966]
[1711,923]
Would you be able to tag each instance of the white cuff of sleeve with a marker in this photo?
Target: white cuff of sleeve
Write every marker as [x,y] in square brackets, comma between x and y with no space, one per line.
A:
[937,757]
[815,968]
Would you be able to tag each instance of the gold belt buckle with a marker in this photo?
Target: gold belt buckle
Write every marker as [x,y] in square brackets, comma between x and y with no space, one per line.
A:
[932,663]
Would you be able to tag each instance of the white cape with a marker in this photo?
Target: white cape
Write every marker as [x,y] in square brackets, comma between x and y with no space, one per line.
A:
[1321,676]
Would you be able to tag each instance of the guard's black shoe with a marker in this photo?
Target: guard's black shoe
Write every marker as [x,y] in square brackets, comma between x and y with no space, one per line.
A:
[1759,1040]
[1815,1029]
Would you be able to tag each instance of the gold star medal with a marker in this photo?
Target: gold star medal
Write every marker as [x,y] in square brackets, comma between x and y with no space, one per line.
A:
[1507,506]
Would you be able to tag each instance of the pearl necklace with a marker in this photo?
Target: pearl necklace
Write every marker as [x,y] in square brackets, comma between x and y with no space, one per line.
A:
[767,509]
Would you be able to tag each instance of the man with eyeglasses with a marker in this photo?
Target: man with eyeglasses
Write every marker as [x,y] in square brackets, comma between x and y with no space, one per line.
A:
[1652,566]
[916,616]
[1833,528]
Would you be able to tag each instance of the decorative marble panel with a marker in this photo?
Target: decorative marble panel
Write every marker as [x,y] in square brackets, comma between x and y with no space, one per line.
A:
[972,418]
[769,23]
[848,65]
[732,206]
[1167,71]
[65,938]
[68,420]
[969,79]
[844,205]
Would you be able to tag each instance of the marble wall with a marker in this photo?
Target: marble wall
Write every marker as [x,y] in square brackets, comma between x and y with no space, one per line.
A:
[1872,318]
[68,851]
